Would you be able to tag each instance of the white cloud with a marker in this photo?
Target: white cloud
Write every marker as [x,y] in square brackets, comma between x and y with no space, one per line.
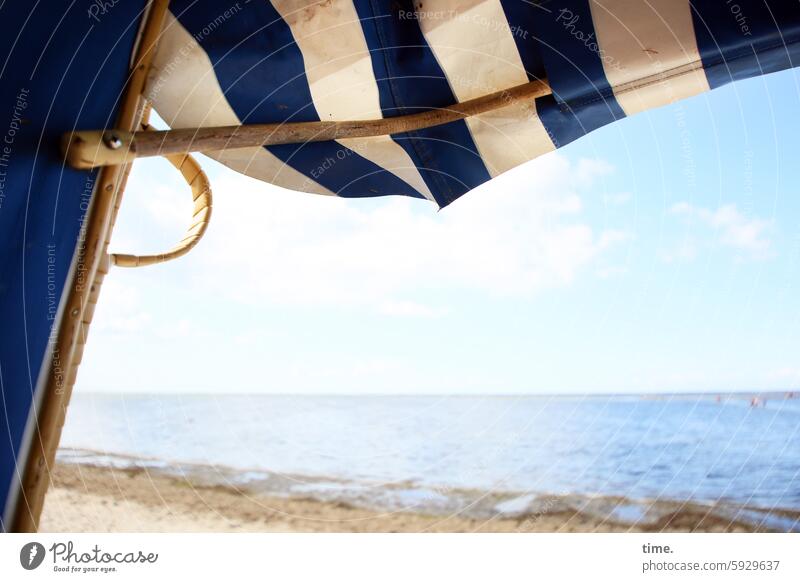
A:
[740,232]
[120,309]
[685,250]
[179,329]
[171,208]
[517,235]
[588,170]
[617,199]
[734,229]
[788,373]
[410,309]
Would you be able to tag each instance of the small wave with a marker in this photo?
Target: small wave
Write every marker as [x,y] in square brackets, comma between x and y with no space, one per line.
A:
[408,496]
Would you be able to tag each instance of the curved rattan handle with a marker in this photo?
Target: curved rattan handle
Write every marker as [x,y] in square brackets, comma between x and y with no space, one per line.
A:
[201,193]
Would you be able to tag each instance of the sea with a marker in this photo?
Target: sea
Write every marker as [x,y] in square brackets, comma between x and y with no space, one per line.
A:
[628,458]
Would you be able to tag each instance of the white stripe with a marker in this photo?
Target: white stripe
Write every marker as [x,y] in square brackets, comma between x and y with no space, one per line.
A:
[342,81]
[184,91]
[475,48]
[652,40]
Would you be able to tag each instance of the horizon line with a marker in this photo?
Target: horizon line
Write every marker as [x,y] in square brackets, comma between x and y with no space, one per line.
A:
[441,394]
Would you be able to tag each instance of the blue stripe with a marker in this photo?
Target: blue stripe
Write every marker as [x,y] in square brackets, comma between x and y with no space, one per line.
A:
[746,38]
[261,71]
[582,99]
[59,76]
[520,16]
[409,81]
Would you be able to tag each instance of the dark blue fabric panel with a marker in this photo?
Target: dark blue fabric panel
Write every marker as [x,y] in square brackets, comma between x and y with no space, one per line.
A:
[261,71]
[48,85]
[521,16]
[410,81]
[582,98]
[746,38]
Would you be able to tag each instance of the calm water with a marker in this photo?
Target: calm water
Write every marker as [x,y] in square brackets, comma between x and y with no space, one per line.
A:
[448,452]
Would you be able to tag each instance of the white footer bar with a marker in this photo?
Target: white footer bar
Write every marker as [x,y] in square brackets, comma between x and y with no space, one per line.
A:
[401,557]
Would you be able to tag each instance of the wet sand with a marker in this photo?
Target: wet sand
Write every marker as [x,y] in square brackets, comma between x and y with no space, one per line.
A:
[85,498]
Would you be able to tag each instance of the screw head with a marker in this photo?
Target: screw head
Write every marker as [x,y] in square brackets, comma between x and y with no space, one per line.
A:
[113,141]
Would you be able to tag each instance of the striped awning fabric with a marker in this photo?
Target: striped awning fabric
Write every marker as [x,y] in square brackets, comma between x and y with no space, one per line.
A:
[268,61]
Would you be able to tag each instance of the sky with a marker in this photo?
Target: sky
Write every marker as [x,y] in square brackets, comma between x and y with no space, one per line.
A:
[658,254]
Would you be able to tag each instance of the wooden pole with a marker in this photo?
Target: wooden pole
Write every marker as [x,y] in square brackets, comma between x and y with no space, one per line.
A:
[90,149]
[83,292]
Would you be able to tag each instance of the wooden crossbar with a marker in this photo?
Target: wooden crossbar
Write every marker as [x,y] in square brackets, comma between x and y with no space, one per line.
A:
[91,149]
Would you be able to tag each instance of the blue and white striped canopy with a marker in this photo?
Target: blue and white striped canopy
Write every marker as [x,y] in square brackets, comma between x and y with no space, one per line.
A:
[268,61]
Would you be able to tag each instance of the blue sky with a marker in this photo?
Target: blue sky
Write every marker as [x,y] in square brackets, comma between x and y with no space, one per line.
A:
[658,254]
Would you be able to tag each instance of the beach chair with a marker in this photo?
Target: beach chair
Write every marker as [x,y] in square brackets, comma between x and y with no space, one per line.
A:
[346,97]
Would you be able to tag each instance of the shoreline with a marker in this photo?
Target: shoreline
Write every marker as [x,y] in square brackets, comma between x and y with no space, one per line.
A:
[91,498]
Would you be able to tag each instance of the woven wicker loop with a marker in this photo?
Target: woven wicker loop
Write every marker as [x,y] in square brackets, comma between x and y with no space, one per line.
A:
[201,194]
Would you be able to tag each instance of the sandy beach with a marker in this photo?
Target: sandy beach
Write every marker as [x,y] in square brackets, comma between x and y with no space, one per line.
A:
[86,498]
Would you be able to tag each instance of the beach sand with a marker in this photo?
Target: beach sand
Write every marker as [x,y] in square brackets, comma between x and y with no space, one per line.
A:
[86,498]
